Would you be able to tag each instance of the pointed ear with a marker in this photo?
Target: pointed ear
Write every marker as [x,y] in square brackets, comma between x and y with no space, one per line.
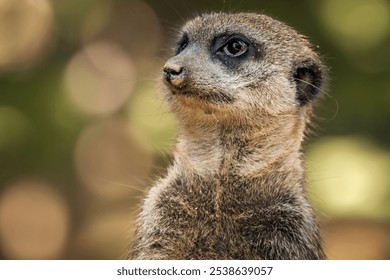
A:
[309,79]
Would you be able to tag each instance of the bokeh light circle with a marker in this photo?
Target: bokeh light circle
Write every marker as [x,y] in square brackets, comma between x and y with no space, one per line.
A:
[34,221]
[99,78]
[26,32]
[356,25]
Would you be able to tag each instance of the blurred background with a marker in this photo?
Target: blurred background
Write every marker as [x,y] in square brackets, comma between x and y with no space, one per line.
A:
[83,132]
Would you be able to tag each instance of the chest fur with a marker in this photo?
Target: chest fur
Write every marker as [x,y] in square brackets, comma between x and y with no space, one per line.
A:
[222,217]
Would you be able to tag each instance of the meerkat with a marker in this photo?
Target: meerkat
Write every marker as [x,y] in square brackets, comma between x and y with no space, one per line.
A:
[242,86]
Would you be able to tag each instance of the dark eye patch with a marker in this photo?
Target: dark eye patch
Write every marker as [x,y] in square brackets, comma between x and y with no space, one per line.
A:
[231,50]
[182,44]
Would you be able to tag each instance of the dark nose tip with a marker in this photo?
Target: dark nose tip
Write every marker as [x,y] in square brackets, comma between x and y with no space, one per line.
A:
[174,73]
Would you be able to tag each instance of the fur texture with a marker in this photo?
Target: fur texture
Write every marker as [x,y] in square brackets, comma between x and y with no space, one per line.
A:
[243,87]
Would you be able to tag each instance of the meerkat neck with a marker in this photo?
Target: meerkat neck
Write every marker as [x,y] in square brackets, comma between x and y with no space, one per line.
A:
[248,150]
[199,149]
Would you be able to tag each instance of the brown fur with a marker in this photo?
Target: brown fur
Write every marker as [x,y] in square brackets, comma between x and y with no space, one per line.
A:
[236,189]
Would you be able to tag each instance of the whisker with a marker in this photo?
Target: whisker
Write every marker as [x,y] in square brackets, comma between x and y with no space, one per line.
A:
[125,185]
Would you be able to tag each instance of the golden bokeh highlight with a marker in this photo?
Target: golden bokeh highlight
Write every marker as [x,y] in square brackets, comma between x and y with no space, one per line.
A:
[34,221]
[99,78]
[131,24]
[349,176]
[26,31]
[109,161]
[356,25]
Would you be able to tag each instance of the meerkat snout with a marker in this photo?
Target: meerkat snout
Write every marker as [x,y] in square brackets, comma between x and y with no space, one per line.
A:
[174,74]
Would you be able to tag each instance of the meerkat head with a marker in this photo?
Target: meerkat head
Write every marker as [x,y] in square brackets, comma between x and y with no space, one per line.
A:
[235,67]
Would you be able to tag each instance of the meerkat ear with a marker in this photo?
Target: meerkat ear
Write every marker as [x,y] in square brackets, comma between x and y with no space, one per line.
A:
[308,78]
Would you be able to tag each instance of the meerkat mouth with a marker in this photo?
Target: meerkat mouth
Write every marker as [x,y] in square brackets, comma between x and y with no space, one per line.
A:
[215,98]
[184,90]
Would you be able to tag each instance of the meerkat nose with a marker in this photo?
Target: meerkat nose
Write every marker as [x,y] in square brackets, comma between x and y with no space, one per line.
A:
[174,73]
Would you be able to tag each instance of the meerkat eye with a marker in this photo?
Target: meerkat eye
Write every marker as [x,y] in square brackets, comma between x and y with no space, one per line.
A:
[232,50]
[235,48]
